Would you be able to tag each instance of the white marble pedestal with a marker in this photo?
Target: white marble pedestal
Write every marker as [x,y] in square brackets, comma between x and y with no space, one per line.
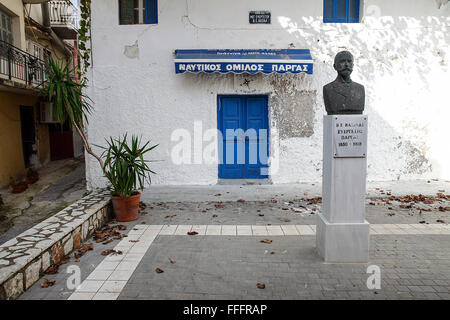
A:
[342,233]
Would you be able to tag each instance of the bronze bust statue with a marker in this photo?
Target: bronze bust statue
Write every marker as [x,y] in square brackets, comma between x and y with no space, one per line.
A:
[343,96]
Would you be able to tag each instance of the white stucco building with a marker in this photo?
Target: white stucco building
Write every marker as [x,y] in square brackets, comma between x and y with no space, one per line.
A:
[401,50]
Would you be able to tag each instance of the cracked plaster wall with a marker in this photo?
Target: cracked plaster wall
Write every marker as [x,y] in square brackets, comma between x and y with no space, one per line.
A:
[401,54]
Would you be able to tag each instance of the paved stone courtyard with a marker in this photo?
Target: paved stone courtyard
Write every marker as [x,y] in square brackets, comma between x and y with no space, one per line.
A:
[226,259]
[225,267]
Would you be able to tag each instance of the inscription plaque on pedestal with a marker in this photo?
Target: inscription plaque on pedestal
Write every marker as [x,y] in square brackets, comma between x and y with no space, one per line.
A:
[350,136]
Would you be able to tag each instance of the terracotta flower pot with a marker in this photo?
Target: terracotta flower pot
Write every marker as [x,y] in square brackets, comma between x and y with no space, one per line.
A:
[20,187]
[126,209]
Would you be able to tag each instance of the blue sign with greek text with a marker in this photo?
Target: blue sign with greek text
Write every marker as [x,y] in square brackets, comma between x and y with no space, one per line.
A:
[244,61]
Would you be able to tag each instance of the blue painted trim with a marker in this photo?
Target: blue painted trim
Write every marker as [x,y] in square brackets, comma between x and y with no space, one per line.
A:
[151,12]
[347,18]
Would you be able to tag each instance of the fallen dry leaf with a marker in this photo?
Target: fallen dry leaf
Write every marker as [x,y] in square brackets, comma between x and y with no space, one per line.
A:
[241,200]
[83,249]
[142,205]
[158,270]
[110,251]
[440,221]
[108,233]
[192,233]
[53,269]
[260,285]
[47,283]
[314,200]
[266,241]
[133,240]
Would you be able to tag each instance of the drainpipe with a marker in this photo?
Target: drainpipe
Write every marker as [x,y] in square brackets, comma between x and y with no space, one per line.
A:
[46,21]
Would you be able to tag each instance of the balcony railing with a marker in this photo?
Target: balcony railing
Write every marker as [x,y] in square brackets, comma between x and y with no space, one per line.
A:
[64,18]
[21,67]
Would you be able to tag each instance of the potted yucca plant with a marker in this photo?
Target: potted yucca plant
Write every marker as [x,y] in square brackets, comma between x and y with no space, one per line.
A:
[127,171]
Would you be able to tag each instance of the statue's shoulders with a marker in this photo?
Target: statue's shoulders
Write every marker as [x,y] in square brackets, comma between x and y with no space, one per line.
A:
[358,85]
[329,85]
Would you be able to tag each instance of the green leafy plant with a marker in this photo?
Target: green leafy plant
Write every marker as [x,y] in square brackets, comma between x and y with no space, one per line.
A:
[125,166]
[70,105]
[84,36]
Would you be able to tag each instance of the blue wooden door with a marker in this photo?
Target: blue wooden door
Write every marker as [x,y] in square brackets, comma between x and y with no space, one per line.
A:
[243,145]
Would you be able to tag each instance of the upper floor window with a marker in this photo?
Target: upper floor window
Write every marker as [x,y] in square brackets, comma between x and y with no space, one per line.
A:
[138,11]
[5,27]
[341,11]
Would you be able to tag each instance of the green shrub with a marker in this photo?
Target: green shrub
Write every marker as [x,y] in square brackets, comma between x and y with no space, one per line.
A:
[125,167]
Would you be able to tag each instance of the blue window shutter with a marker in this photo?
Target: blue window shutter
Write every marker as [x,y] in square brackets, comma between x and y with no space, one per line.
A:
[335,11]
[353,11]
[341,11]
[327,10]
[151,11]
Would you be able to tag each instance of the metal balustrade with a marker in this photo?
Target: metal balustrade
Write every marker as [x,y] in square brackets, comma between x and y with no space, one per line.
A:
[63,13]
[20,66]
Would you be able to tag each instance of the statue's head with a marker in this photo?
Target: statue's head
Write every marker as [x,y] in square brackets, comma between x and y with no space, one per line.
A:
[343,63]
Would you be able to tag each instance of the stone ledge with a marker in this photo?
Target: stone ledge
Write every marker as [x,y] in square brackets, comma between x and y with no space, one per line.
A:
[24,258]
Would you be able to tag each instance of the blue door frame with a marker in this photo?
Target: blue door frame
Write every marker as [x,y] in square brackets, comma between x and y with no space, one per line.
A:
[244,153]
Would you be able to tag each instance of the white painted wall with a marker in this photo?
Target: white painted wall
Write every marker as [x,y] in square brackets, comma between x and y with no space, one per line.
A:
[401,51]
